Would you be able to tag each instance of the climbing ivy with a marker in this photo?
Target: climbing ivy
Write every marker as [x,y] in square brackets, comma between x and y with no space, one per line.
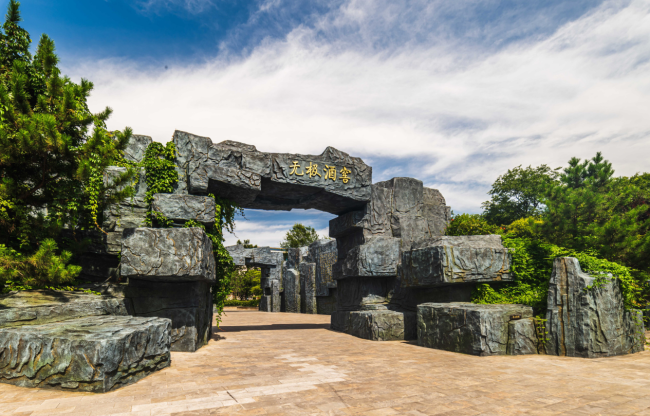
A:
[161,176]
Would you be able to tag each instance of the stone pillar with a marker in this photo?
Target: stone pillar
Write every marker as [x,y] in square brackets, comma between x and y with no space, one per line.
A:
[170,272]
[308,288]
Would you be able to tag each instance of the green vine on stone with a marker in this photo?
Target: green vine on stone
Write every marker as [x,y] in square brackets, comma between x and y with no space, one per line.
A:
[160,169]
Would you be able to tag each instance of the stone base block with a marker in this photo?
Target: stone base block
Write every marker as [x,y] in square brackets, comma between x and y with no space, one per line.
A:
[93,354]
[381,325]
[188,305]
[522,338]
[36,307]
[467,327]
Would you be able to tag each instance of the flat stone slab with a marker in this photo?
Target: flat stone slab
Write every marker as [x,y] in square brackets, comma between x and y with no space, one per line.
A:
[377,257]
[36,307]
[587,319]
[446,260]
[185,207]
[333,181]
[93,354]
[379,325]
[167,254]
[467,327]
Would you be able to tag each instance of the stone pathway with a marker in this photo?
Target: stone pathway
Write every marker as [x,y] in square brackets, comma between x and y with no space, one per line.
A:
[292,364]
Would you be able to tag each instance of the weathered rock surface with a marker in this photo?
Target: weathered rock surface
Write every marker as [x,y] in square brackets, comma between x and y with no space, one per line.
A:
[36,307]
[94,354]
[377,257]
[181,208]
[522,337]
[308,288]
[167,254]
[363,293]
[137,147]
[379,325]
[324,254]
[445,260]
[466,327]
[332,181]
[187,304]
[586,318]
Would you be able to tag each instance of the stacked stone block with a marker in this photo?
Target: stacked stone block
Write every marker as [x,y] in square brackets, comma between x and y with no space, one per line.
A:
[170,272]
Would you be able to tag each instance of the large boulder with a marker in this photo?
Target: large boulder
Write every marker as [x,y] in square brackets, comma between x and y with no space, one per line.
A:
[94,354]
[167,254]
[464,259]
[44,306]
[466,327]
[586,316]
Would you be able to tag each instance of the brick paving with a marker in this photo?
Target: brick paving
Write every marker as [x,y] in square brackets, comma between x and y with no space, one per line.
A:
[292,364]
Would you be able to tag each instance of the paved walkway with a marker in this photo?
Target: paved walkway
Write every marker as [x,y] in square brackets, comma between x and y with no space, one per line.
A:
[291,364]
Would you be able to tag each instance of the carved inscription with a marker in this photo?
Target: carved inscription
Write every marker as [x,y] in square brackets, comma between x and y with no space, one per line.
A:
[312,170]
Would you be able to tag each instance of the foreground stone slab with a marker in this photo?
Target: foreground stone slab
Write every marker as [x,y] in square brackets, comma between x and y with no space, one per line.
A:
[94,354]
[36,307]
[182,208]
[586,318]
[467,327]
[378,325]
[463,259]
[167,254]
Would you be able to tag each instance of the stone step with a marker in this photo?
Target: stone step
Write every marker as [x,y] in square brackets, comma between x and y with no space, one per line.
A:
[93,354]
[39,307]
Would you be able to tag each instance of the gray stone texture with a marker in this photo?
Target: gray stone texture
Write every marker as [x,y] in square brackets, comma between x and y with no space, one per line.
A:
[167,254]
[37,307]
[324,254]
[522,337]
[136,148]
[586,318]
[379,325]
[94,354]
[187,304]
[260,180]
[466,327]
[379,256]
[364,293]
[308,288]
[445,260]
[181,208]
[326,305]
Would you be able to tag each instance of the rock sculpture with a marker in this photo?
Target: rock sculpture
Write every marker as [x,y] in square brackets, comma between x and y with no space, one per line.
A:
[586,317]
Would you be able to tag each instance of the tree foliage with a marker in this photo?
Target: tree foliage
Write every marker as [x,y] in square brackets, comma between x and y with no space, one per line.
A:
[519,193]
[299,236]
[470,224]
[53,152]
[246,283]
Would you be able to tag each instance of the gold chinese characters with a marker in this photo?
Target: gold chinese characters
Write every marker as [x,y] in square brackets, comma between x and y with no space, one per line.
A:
[311,170]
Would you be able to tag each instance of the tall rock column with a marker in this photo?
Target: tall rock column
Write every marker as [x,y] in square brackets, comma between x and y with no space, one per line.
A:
[586,316]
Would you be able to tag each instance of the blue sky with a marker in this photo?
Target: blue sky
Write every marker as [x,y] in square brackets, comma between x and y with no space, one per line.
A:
[450,92]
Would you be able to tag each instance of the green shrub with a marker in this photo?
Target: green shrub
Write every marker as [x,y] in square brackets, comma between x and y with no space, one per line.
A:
[471,224]
[43,269]
[235,302]
[531,267]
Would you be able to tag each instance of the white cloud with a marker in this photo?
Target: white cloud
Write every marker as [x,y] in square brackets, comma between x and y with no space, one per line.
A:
[451,116]
[265,233]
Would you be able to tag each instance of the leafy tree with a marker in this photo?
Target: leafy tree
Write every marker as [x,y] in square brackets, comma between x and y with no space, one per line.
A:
[53,150]
[246,244]
[299,236]
[246,283]
[518,193]
[470,224]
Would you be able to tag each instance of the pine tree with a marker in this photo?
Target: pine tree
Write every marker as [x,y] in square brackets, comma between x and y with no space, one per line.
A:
[53,150]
